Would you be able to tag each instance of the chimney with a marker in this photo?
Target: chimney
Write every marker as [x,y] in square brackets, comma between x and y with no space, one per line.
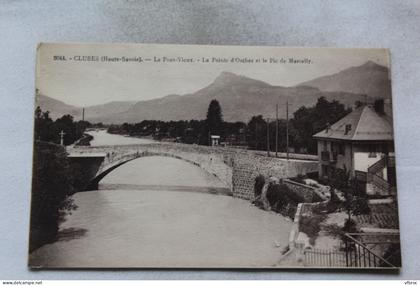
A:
[328,127]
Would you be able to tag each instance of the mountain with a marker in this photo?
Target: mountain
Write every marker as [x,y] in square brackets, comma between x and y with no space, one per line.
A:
[370,78]
[55,107]
[240,98]
[58,108]
[94,113]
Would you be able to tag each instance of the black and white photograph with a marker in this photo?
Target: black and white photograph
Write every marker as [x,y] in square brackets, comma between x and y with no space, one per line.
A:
[207,156]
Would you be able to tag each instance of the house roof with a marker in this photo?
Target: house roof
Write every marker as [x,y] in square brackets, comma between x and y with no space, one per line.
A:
[364,124]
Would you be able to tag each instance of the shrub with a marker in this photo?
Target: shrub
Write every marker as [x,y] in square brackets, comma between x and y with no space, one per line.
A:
[311,225]
[282,199]
[51,188]
[258,185]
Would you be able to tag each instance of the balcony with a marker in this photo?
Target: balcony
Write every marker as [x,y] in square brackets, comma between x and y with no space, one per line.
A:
[330,157]
[325,156]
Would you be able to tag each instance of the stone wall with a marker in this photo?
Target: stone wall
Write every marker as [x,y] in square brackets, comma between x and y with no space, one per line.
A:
[247,167]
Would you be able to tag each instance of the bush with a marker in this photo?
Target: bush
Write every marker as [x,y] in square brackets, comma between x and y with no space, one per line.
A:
[51,188]
[280,197]
[258,185]
[283,200]
[311,225]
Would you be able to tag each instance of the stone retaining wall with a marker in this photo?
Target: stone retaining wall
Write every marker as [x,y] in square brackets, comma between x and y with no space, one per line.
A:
[247,167]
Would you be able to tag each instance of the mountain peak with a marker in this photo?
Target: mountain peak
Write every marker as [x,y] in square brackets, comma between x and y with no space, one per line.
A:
[226,76]
[372,65]
[369,78]
[229,78]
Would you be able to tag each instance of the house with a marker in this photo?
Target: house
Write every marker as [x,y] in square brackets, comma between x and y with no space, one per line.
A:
[361,143]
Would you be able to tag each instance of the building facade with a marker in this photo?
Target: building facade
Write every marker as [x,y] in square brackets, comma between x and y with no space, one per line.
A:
[361,144]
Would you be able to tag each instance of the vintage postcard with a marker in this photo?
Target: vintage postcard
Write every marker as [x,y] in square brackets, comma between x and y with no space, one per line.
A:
[188,156]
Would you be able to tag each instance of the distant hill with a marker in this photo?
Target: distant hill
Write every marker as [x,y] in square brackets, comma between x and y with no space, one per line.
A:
[58,108]
[370,78]
[240,98]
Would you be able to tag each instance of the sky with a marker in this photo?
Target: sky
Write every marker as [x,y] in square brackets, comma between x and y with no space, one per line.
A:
[93,80]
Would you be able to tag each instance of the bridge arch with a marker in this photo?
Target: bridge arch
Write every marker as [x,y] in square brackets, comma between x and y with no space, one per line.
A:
[108,166]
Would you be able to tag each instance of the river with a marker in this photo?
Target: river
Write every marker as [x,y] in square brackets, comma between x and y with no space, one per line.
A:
[101,137]
[160,212]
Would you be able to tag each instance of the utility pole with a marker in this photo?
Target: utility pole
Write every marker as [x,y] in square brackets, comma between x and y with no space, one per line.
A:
[62,137]
[83,114]
[268,137]
[256,136]
[287,129]
[277,128]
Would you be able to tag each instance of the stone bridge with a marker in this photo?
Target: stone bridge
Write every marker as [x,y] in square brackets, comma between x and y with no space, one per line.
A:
[236,168]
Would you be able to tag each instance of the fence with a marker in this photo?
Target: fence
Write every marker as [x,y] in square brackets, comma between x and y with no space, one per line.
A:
[324,258]
[359,250]
[367,250]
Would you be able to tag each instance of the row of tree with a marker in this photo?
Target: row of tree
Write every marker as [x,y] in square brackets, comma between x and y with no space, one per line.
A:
[190,132]
[48,130]
[257,134]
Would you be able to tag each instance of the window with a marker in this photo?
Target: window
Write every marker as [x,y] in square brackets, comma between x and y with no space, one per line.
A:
[372,151]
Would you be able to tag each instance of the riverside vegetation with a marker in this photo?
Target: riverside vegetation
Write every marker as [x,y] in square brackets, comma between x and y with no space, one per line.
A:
[54,179]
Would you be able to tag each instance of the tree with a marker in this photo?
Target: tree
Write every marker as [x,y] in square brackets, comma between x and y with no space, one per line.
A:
[214,120]
[52,185]
[308,121]
[256,133]
[48,130]
[356,200]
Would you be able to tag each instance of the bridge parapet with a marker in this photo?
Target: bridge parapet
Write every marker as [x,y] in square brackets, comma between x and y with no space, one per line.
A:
[217,163]
[236,168]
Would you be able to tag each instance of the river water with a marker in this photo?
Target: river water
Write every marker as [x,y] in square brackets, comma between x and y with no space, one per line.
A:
[159,212]
[101,137]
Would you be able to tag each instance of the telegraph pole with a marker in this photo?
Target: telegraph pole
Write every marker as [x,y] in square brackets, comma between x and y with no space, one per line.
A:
[83,114]
[277,128]
[287,129]
[256,136]
[268,137]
